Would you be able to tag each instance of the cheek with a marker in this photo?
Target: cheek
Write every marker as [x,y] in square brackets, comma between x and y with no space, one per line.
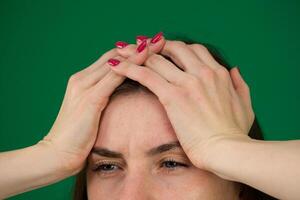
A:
[194,184]
[98,187]
[92,185]
[213,187]
[189,185]
[159,187]
[197,184]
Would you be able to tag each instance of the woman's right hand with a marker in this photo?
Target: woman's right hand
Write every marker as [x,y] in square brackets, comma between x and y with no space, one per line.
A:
[75,128]
[74,131]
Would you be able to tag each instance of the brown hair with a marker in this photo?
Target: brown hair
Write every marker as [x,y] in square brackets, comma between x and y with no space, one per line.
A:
[129,86]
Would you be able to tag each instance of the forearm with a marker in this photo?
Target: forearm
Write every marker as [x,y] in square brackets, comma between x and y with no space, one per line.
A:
[29,168]
[270,166]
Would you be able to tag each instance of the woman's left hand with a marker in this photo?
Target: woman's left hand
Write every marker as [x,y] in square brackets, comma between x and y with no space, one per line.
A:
[204,101]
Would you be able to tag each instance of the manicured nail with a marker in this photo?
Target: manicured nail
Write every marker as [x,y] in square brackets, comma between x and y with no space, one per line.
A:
[141,38]
[142,46]
[113,62]
[121,44]
[156,38]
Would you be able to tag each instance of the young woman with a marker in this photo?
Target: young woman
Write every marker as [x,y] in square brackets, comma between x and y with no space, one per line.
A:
[184,137]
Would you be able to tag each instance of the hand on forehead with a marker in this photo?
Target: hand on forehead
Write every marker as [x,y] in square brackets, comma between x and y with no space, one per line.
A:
[189,57]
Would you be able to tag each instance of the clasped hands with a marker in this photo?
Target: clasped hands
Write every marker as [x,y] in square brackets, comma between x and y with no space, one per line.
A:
[205,102]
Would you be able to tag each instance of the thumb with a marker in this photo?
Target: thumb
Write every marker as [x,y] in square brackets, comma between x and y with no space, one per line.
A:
[240,85]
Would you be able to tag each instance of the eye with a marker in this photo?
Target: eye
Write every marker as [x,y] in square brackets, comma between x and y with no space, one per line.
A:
[171,164]
[106,168]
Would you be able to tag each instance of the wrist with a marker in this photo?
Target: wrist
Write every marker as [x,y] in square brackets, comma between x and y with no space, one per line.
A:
[218,150]
[58,163]
[39,167]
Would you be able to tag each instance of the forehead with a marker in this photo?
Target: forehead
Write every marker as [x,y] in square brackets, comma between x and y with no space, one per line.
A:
[135,121]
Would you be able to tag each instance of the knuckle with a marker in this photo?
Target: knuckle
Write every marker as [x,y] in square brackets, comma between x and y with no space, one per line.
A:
[224,76]
[177,44]
[199,47]
[173,93]
[207,73]
[182,93]
[192,81]
[176,91]
[223,72]
[73,84]
[126,67]
[97,101]
[154,59]
[143,73]
[74,78]
[173,46]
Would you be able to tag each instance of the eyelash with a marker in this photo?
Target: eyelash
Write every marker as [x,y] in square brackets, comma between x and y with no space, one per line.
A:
[178,164]
[99,167]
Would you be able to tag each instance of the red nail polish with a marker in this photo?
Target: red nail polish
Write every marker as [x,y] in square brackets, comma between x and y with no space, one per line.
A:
[156,38]
[142,46]
[141,38]
[121,44]
[113,62]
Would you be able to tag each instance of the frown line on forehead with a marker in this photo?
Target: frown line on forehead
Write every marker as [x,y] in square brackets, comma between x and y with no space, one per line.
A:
[151,152]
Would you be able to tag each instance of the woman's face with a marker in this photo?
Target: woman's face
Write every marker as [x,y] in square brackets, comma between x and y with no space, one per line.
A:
[137,156]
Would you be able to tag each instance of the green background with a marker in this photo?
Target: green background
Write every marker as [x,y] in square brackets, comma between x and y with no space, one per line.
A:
[43,42]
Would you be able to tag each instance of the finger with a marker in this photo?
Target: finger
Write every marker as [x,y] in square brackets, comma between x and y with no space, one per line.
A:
[157,62]
[99,62]
[241,87]
[183,56]
[239,84]
[139,39]
[127,51]
[166,69]
[93,77]
[145,76]
[86,77]
[153,47]
[202,52]
[157,37]
[105,86]
[99,73]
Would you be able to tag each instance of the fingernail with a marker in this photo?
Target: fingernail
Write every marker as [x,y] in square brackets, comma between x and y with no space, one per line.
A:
[113,62]
[156,38]
[238,69]
[121,44]
[141,38]
[142,46]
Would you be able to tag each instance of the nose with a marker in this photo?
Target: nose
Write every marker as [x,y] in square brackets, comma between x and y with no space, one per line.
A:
[136,187]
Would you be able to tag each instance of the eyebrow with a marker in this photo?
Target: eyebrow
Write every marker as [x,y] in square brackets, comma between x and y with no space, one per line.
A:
[152,152]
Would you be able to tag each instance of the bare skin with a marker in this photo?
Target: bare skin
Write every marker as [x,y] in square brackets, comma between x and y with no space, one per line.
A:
[211,122]
[127,127]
